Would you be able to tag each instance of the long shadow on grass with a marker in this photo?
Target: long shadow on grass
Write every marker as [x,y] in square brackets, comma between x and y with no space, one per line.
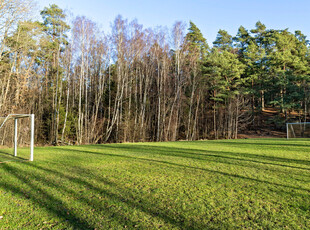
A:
[203,152]
[41,197]
[230,158]
[240,159]
[193,153]
[126,197]
[270,146]
[4,156]
[188,166]
[205,155]
[57,207]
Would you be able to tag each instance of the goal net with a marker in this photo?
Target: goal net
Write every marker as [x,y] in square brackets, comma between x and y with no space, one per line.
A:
[16,117]
[298,130]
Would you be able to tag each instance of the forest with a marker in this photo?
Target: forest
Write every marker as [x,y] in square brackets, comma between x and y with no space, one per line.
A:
[137,84]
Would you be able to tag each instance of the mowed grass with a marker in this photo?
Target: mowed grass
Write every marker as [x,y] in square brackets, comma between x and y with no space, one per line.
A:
[224,184]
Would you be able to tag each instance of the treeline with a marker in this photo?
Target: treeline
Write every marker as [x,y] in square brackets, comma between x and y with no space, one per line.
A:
[138,84]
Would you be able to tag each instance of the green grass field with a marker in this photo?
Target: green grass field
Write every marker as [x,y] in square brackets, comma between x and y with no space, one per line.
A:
[224,184]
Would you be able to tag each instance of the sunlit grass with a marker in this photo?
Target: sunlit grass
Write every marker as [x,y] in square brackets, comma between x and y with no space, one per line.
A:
[262,183]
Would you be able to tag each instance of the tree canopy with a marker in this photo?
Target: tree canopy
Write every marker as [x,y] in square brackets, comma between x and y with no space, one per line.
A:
[136,84]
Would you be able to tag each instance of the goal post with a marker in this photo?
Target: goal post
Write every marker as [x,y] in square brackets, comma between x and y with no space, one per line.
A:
[298,130]
[16,117]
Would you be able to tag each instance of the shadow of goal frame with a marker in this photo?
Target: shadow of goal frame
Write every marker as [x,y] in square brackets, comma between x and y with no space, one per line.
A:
[16,117]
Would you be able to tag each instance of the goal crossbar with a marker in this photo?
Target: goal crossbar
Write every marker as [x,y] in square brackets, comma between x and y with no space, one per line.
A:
[15,117]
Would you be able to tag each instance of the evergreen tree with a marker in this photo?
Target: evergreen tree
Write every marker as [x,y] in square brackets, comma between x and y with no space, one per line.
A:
[197,51]
[223,40]
[242,40]
[223,71]
[196,40]
[260,34]
[288,64]
[55,27]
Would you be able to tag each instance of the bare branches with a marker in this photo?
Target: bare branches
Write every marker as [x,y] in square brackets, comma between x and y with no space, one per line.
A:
[138,84]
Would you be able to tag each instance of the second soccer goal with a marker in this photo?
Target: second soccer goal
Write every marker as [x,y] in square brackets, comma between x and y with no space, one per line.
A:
[298,130]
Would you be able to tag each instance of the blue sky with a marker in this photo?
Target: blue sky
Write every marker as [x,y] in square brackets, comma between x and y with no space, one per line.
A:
[208,15]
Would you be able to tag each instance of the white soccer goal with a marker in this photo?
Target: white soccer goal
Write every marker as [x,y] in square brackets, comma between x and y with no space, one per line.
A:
[15,117]
[298,130]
